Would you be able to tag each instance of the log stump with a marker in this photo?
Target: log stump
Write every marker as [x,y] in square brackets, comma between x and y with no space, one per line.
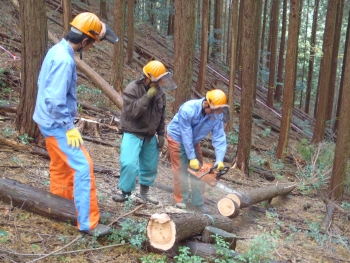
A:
[165,230]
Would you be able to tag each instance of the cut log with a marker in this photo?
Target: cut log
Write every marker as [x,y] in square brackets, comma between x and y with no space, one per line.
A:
[165,230]
[235,198]
[209,233]
[37,201]
[228,207]
[205,250]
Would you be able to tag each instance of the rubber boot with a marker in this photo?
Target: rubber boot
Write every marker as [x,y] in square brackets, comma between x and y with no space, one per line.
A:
[121,196]
[99,231]
[144,194]
[202,209]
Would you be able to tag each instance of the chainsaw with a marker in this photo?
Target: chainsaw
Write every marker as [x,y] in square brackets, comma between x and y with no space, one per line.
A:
[211,176]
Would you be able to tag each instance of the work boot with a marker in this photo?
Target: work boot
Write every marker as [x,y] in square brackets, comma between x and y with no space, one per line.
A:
[180,205]
[121,196]
[99,231]
[145,195]
[202,209]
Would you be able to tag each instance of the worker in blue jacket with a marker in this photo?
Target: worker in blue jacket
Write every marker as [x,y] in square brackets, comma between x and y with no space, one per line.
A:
[71,168]
[193,122]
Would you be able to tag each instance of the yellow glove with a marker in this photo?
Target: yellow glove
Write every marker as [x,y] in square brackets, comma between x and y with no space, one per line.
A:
[194,164]
[152,92]
[74,138]
[220,166]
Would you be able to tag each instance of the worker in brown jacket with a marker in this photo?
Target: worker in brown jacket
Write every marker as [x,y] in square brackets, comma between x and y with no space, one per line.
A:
[143,117]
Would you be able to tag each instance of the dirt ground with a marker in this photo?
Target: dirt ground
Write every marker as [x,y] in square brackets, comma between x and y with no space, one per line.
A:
[291,222]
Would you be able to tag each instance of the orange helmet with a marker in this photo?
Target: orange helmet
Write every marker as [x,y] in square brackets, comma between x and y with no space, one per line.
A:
[216,99]
[154,70]
[89,24]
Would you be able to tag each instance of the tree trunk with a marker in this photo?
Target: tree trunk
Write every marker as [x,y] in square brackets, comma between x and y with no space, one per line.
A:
[239,41]
[118,58]
[34,46]
[334,60]
[342,149]
[233,50]
[37,201]
[218,9]
[273,35]
[66,16]
[249,38]
[103,9]
[311,58]
[262,41]
[290,75]
[278,93]
[171,19]
[340,95]
[258,11]
[184,37]
[130,47]
[200,87]
[165,230]
[325,69]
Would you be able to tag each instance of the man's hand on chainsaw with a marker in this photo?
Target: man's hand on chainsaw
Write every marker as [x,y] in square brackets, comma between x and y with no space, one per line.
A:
[194,164]
[220,166]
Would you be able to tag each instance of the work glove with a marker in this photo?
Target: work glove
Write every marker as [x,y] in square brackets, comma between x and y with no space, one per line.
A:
[194,164]
[220,166]
[74,138]
[152,92]
[160,141]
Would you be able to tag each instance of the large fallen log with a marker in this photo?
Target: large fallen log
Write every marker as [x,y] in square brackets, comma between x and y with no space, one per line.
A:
[228,205]
[37,201]
[165,230]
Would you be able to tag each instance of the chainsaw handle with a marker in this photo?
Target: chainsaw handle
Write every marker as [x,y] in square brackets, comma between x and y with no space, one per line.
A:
[222,172]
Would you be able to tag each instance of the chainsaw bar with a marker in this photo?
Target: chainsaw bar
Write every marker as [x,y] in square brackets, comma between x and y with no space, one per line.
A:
[224,188]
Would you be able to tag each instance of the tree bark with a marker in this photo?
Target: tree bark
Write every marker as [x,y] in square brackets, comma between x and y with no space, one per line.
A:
[66,16]
[249,38]
[166,230]
[130,46]
[103,9]
[34,46]
[290,76]
[278,92]
[184,37]
[233,51]
[342,148]
[37,201]
[200,87]
[118,58]
[325,69]
[311,58]
[273,36]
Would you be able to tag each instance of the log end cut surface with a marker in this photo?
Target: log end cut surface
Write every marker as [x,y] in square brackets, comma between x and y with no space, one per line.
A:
[227,207]
[161,232]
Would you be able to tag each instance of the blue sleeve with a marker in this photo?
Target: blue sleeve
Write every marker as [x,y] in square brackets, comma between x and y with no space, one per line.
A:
[58,82]
[219,141]
[186,133]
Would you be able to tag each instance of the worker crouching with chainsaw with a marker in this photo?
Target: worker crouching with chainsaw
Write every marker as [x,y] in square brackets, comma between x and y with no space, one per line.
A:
[71,168]
[143,117]
[194,121]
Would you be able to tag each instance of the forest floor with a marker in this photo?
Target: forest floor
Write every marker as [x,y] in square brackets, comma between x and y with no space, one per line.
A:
[289,228]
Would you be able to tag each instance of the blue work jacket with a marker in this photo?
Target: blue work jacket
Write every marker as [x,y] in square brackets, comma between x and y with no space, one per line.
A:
[56,103]
[189,126]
